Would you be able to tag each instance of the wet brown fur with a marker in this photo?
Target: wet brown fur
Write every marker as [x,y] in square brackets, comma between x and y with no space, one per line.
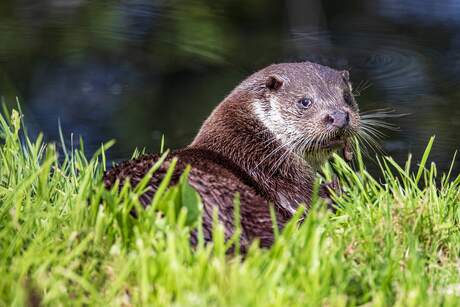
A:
[235,153]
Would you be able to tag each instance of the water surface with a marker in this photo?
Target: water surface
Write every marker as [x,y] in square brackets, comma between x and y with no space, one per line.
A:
[134,70]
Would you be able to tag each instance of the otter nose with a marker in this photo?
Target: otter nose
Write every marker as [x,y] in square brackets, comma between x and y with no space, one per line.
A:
[339,119]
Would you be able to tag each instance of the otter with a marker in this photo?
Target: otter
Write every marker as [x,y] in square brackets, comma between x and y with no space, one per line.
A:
[266,141]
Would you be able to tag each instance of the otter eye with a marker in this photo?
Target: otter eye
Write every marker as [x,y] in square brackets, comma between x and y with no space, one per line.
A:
[304,103]
[348,98]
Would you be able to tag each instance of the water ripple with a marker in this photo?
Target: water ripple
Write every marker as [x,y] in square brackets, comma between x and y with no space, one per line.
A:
[394,62]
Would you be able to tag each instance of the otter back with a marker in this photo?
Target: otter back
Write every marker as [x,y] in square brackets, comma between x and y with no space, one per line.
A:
[217,180]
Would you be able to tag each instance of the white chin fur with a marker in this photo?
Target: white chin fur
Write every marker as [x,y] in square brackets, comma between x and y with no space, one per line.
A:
[273,120]
[283,130]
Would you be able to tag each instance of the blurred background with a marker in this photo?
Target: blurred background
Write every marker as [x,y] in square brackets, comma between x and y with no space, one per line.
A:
[134,70]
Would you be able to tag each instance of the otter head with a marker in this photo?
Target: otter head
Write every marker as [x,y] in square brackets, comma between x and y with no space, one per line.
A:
[308,107]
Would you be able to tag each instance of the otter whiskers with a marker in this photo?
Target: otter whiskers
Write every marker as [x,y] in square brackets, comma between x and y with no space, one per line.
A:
[370,132]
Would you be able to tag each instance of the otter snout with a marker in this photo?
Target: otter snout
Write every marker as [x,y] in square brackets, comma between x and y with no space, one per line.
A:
[339,119]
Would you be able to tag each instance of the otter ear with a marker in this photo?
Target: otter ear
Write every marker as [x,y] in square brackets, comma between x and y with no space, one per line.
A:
[273,83]
[345,75]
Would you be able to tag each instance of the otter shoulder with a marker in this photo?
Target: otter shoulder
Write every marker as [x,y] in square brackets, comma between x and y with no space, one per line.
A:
[210,173]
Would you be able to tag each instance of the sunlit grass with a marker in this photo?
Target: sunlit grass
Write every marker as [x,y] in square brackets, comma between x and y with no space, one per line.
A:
[65,240]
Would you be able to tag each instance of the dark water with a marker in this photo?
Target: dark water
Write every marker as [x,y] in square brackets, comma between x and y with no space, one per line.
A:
[134,70]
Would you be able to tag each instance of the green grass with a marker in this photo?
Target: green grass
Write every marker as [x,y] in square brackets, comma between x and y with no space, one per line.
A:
[64,240]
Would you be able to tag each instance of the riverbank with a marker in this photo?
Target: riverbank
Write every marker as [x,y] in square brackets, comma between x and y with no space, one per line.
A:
[391,242]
